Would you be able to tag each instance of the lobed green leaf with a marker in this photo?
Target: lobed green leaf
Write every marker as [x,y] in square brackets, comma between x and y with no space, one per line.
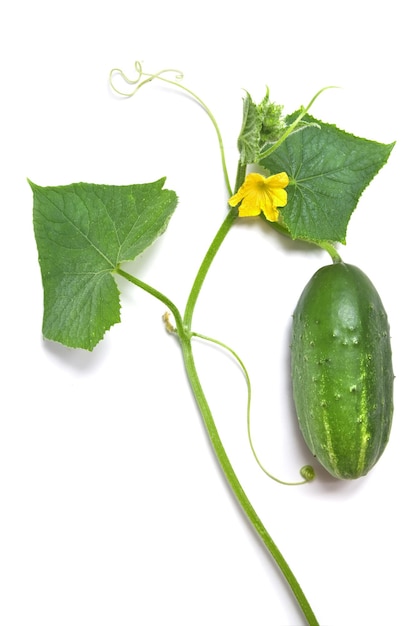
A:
[329,169]
[83,233]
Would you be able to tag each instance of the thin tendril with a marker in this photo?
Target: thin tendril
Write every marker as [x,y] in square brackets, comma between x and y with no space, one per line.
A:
[307,472]
[143,78]
[138,82]
[293,127]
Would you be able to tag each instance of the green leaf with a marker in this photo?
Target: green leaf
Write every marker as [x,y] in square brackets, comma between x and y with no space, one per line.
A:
[83,233]
[328,169]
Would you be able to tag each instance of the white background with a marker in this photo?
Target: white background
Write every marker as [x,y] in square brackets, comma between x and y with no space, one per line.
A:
[112,508]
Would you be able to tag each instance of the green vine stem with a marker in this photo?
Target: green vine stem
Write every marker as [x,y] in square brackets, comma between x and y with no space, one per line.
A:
[185,336]
[236,486]
[154,292]
[205,265]
[212,251]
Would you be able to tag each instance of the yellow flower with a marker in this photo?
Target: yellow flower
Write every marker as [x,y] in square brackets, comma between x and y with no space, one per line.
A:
[260,194]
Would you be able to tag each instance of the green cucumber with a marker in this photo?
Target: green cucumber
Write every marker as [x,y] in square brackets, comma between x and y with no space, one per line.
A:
[342,373]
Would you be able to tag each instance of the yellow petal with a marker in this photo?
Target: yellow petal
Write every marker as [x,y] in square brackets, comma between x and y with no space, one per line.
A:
[260,194]
[279,197]
[271,213]
[234,200]
[250,185]
[278,180]
[253,179]
[249,208]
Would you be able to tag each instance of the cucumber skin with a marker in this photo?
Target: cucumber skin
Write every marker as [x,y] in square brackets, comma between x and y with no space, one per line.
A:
[342,371]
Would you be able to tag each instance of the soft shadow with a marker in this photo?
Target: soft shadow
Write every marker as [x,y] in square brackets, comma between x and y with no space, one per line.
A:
[292,246]
[77,359]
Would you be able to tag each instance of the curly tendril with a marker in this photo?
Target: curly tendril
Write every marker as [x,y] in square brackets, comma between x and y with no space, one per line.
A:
[307,471]
[141,79]
[144,78]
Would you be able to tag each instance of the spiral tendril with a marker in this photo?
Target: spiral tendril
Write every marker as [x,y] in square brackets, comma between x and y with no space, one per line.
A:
[308,473]
[141,79]
[164,75]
